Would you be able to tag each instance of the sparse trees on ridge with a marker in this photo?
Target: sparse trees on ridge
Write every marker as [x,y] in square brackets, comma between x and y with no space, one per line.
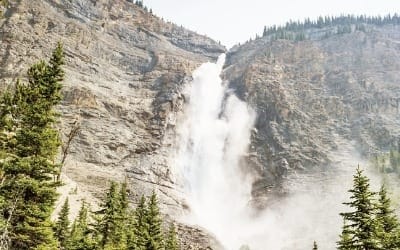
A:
[296,30]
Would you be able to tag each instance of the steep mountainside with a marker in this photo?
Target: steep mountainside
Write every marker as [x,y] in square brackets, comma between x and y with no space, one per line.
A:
[313,96]
[124,71]
[317,100]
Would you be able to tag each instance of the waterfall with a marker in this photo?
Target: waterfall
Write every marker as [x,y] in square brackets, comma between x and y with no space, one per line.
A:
[215,135]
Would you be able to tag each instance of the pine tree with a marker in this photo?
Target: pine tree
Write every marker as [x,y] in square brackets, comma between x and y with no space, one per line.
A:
[27,165]
[81,235]
[7,132]
[389,225]
[265,32]
[171,242]
[141,228]
[131,238]
[124,215]
[123,201]
[61,229]
[154,222]
[345,242]
[110,220]
[361,229]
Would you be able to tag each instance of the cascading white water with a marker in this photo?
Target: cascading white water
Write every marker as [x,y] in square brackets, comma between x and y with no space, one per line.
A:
[215,135]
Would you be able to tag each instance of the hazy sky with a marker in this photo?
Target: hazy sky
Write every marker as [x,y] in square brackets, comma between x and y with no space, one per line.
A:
[233,21]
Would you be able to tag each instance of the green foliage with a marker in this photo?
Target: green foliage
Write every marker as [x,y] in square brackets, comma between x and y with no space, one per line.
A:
[360,230]
[141,228]
[389,225]
[300,36]
[3,4]
[171,242]
[345,242]
[371,224]
[29,177]
[343,29]
[81,237]
[387,162]
[139,3]
[110,225]
[131,237]
[28,145]
[295,30]
[154,222]
[118,227]
[61,229]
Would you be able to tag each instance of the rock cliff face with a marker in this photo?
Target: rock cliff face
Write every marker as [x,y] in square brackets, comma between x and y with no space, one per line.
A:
[124,71]
[313,96]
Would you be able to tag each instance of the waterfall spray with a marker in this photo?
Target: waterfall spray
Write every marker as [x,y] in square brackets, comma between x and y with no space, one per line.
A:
[215,136]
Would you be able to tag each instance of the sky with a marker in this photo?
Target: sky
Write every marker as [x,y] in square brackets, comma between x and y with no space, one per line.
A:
[234,21]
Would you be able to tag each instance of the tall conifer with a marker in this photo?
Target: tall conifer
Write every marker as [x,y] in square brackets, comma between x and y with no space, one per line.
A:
[110,220]
[360,230]
[388,223]
[61,229]
[154,222]
[171,242]
[81,235]
[141,225]
[27,162]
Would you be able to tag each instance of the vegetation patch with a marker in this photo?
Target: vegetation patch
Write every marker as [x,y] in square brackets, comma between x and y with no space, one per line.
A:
[3,6]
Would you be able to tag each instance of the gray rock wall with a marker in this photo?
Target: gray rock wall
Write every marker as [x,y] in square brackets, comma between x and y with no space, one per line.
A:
[125,69]
[312,95]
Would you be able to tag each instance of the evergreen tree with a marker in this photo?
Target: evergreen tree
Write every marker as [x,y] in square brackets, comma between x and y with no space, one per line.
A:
[345,242]
[80,237]
[171,242]
[389,225]
[131,238]
[361,229]
[61,229]
[154,221]
[27,163]
[265,32]
[123,200]
[110,220]
[141,228]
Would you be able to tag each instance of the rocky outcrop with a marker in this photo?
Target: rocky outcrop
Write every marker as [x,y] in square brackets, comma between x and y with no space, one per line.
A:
[311,96]
[125,69]
[125,72]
